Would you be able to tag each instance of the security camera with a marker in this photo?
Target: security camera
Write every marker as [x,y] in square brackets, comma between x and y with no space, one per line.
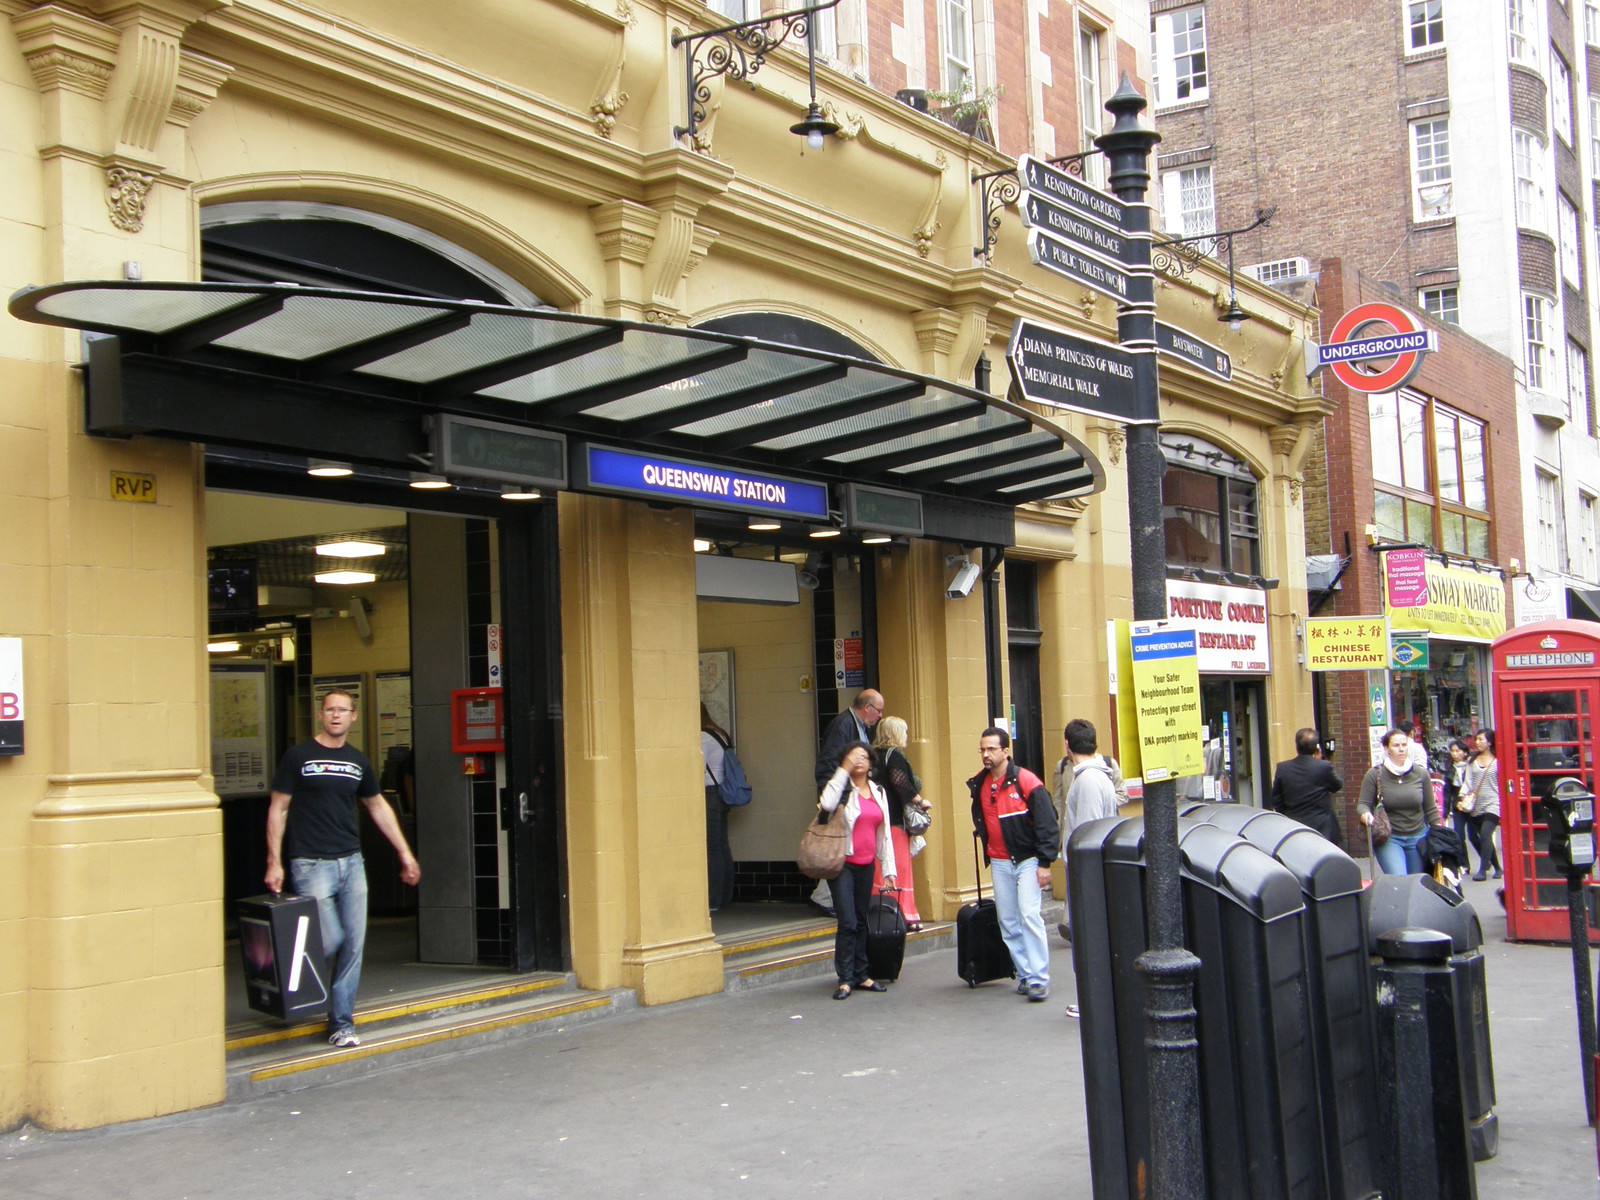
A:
[360,610]
[963,581]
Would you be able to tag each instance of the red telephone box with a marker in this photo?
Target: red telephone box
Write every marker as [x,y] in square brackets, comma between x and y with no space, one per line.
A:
[1546,699]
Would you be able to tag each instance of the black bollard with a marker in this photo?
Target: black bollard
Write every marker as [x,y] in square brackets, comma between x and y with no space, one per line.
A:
[1425,1146]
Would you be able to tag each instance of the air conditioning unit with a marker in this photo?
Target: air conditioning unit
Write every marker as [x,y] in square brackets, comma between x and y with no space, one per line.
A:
[1279,270]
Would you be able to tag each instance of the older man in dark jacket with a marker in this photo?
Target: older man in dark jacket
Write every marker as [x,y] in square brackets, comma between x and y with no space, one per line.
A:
[1303,788]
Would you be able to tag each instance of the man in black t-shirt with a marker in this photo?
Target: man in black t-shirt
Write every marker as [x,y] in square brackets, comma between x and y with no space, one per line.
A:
[313,810]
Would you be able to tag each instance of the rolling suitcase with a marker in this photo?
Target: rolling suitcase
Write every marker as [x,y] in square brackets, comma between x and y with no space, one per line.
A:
[886,937]
[981,953]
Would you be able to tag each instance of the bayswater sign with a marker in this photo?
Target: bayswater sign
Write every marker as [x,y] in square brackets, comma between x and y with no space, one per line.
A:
[1373,333]
[1054,367]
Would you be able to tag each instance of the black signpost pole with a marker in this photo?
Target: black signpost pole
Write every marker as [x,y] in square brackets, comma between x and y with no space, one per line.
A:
[1177,1169]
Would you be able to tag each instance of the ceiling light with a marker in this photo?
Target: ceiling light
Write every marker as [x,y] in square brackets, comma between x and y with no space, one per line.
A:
[701,545]
[762,525]
[327,468]
[517,491]
[824,533]
[424,482]
[223,647]
[351,549]
[345,577]
[876,539]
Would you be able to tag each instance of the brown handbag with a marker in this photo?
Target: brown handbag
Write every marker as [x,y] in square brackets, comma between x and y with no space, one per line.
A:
[1380,830]
[823,846]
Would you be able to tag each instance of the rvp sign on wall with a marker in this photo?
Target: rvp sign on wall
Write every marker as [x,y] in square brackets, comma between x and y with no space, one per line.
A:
[1374,347]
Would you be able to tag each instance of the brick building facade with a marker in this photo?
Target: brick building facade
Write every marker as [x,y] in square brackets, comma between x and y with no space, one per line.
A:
[1466,380]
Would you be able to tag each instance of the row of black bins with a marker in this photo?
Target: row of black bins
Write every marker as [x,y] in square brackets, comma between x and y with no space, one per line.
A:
[1291,1107]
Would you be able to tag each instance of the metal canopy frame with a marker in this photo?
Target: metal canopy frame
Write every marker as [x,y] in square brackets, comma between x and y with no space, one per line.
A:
[356,376]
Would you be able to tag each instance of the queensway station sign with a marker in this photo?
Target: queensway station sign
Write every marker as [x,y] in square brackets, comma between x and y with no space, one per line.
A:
[1059,369]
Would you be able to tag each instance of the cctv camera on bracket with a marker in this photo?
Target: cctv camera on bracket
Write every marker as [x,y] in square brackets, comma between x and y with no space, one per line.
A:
[965,578]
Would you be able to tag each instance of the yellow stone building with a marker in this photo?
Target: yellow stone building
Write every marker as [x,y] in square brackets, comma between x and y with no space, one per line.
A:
[525,155]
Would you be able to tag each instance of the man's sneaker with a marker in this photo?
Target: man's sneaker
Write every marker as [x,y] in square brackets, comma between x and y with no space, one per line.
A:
[1022,987]
[344,1039]
[1038,992]
[1072,1010]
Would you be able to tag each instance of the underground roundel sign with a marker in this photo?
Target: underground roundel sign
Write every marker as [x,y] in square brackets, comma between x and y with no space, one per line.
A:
[1374,347]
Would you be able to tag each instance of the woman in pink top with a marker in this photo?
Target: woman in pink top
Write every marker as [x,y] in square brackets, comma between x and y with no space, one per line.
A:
[866,815]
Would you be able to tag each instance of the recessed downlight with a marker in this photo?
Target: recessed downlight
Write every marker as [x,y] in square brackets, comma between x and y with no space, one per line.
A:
[424,482]
[327,468]
[223,647]
[345,577]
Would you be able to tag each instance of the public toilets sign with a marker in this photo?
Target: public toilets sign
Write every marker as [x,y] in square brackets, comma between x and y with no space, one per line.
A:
[1399,338]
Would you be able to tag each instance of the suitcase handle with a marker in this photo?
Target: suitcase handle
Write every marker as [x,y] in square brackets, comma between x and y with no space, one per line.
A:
[977,862]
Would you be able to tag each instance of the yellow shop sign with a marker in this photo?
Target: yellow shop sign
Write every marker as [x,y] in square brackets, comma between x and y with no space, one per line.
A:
[1462,604]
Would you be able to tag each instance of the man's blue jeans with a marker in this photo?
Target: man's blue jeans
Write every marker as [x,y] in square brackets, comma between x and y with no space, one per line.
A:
[1018,902]
[339,886]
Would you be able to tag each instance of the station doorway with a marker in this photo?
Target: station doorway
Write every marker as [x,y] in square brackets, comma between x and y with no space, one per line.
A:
[397,607]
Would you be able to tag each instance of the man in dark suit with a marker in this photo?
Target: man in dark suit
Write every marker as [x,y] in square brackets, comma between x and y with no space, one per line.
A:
[1303,787]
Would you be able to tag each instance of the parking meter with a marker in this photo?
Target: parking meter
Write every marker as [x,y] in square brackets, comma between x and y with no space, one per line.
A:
[1569,813]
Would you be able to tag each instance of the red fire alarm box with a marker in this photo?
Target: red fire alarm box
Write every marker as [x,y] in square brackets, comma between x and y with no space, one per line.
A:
[477,720]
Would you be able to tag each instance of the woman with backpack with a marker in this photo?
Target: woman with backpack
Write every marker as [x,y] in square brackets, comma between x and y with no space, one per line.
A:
[714,745]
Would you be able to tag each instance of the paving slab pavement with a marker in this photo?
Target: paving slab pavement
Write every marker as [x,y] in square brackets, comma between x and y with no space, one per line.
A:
[932,1090]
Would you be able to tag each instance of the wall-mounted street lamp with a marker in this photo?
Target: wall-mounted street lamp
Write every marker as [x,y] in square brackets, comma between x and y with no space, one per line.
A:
[1180,256]
[738,51]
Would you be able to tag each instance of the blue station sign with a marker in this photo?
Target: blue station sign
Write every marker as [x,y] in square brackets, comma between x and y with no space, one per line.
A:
[606,470]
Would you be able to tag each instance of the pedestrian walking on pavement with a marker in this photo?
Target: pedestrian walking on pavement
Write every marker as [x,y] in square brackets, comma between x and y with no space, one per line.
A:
[1405,789]
[1482,784]
[1303,787]
[1015,819]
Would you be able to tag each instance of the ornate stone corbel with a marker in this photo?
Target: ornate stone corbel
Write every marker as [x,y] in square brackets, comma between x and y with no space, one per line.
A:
[132,64]
[851,125]
[1116,443]
[609,96]
[928,219]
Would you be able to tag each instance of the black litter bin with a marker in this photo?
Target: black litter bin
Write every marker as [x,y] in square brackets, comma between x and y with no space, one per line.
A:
[1338,983]
[1257,1063]
[1417,902]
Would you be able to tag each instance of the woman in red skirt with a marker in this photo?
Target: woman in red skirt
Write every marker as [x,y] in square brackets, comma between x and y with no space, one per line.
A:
[908,811]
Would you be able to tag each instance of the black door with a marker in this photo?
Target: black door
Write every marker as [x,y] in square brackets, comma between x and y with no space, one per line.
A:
[532,795]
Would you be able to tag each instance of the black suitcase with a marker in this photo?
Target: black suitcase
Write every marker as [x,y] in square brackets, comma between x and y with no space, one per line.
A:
[280,940]
[981,953]
[886,938]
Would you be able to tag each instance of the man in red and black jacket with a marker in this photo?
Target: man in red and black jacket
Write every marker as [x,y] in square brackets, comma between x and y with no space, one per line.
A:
[1015,819]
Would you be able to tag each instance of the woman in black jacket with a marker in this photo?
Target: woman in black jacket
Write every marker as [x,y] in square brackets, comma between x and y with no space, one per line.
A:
[893,770]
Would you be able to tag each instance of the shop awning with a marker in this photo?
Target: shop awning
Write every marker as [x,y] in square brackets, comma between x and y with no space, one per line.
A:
[1583,604]
[356,375]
